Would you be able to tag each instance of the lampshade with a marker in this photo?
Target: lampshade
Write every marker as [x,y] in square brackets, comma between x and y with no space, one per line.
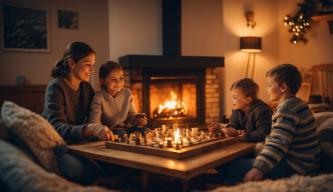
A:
[250,44]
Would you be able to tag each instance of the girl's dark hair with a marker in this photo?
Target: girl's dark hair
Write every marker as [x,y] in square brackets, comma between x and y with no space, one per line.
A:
[248,87]
[75,51]
[288,74]
[107,67]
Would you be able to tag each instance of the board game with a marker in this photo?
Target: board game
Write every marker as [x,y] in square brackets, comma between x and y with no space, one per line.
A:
[172,143]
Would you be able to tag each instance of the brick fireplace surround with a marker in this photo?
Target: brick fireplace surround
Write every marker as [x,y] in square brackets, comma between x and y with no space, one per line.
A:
[209,102]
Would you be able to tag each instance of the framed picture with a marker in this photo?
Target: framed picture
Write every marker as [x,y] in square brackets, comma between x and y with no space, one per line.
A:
[68,19]
[25,29]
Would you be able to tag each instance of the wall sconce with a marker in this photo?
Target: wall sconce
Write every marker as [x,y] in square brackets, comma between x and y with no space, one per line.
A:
[252,45]
[250,22]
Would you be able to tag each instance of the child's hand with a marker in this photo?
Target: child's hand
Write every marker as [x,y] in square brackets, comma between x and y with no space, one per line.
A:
[102,132]
[253,175]
[230,132]
[213,127]
[105,134]
[140,120]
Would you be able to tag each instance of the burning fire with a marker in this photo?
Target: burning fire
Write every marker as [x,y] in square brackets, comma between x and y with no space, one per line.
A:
[171,105]
[167,105]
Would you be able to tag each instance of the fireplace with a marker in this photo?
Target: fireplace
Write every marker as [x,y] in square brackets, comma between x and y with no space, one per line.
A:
[176,95]
[172,88]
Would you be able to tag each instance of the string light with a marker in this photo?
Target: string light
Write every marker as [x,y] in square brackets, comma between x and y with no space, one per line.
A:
[297,25]
[300,23]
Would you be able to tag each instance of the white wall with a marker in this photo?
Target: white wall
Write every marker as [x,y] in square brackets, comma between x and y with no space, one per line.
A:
[36,67]
[202,28]
[265,14]
[135,27]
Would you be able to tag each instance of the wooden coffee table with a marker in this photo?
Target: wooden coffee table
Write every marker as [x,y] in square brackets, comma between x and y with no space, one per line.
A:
[183,169]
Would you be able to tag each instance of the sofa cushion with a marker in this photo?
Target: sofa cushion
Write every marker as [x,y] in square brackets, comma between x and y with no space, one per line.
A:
[324,127]
[35,131]
[326,137]
[321,118]
[19,173]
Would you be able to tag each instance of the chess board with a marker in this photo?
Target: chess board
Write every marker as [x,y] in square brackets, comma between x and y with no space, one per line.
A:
[183,151]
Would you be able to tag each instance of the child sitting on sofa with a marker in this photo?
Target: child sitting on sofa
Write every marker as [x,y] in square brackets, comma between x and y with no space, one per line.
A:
[250,114]
[292,147]
[113,105]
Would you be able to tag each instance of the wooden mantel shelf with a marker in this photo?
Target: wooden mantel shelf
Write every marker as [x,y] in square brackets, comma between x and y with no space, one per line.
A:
[325,17]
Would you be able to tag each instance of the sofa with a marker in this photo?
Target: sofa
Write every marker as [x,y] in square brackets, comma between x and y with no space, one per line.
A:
[32,166]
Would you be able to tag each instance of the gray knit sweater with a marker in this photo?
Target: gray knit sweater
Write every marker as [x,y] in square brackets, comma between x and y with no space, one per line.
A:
[66,109]
[114,112]
[293,138]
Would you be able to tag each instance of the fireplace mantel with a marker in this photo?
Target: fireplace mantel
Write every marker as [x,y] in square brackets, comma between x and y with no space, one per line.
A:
[165,61]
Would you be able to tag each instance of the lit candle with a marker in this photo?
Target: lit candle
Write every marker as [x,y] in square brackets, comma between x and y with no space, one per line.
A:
[177,139]
[177,135]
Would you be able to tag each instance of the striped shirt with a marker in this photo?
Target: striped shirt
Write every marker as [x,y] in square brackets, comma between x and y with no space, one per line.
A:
[293,138]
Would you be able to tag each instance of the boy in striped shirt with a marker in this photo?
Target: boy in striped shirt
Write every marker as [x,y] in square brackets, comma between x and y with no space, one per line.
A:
[292,146]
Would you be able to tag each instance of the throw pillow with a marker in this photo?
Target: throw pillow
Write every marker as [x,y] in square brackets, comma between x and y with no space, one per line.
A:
[35,131]
[19,173]
[325,131]
[322,117]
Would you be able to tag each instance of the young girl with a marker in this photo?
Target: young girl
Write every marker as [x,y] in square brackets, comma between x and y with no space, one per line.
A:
[113,105]
[250,115]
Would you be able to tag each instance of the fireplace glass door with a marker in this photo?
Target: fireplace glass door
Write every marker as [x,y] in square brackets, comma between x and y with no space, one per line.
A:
[173,99]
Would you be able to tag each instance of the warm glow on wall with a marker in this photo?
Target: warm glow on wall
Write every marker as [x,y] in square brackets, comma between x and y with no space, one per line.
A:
[235,20]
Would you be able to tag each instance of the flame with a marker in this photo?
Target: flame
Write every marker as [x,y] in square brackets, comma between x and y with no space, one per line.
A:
[170,104]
